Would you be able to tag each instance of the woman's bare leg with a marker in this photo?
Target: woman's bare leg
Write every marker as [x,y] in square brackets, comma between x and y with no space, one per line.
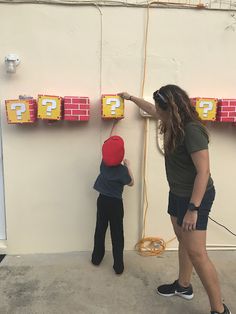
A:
[185,264]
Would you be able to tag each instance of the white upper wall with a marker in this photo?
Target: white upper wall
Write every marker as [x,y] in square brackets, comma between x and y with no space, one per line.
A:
[50,169]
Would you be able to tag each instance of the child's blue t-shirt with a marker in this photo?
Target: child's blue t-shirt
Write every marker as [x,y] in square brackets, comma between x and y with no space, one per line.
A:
[111,180]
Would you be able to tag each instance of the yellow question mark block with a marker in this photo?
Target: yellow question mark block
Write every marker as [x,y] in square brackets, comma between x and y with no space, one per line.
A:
[18,111]
[49,107]
[206,108]
[112,107]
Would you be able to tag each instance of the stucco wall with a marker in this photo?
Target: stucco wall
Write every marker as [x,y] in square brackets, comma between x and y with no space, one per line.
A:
[49,170]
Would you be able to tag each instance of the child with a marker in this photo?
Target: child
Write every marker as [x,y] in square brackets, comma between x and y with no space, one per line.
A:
[110,184]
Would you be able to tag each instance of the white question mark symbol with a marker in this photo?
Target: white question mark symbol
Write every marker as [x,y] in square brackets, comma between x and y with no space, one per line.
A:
[50,107]
[116,105]
[207,106]
[19,111]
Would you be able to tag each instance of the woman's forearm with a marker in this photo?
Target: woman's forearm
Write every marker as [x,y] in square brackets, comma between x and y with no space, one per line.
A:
[199,188]
[141,103]
[144,105]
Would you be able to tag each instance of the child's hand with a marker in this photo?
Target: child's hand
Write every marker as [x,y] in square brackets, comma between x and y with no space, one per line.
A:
[126,162]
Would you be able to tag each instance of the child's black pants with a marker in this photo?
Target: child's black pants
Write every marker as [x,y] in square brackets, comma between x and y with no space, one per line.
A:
[109,210]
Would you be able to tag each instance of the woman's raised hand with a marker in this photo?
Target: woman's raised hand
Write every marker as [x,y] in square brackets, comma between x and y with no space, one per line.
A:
[124,95]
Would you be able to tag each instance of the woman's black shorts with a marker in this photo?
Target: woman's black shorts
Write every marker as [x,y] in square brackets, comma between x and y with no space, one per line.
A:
[178,207]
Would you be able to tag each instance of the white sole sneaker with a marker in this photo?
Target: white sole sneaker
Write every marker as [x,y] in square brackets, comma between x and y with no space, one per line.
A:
[179,294]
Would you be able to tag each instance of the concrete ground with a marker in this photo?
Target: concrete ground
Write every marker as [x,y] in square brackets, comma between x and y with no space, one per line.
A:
[70,284]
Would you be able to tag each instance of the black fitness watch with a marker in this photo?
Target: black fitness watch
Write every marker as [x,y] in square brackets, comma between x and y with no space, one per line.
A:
[192,207]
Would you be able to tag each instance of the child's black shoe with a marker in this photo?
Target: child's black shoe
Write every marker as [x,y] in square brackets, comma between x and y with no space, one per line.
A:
[96,261]
[118,269]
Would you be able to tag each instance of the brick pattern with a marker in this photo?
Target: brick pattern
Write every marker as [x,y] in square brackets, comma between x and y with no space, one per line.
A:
[33,110]
[76,108]
[226,110]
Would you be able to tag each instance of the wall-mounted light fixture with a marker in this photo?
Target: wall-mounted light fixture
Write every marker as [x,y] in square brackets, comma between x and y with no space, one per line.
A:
[11,62]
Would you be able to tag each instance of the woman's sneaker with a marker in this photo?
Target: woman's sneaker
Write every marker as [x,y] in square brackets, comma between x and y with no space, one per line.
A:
[175,289]
[226,311]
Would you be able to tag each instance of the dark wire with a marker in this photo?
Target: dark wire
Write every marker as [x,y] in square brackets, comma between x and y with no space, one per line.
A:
[223,226]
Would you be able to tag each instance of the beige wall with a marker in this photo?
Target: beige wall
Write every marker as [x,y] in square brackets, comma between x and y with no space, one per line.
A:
[49,170]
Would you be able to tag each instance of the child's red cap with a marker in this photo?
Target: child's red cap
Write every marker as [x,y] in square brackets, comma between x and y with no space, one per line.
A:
[113,151]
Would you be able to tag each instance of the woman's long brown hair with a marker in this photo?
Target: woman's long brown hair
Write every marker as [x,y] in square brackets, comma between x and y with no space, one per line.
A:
[177,103]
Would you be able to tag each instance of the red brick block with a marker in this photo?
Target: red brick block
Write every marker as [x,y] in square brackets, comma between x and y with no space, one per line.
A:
[227,120]
[80,108]
[70,97]
[193,101]
[84,100]
[67,112]
[67,101]
[83,118]
[69,106]
[75,101]
[71,118]
[79,112]
[84,106]
[224,114]
[229,108]
[226,110]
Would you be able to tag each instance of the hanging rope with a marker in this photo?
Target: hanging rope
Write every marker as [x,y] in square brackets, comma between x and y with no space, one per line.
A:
[147,246]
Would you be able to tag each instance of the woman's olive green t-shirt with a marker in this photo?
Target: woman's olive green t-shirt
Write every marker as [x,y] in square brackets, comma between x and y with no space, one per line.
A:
[180,169]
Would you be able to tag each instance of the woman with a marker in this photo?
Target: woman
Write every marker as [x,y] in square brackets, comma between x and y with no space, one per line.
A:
[191,189]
